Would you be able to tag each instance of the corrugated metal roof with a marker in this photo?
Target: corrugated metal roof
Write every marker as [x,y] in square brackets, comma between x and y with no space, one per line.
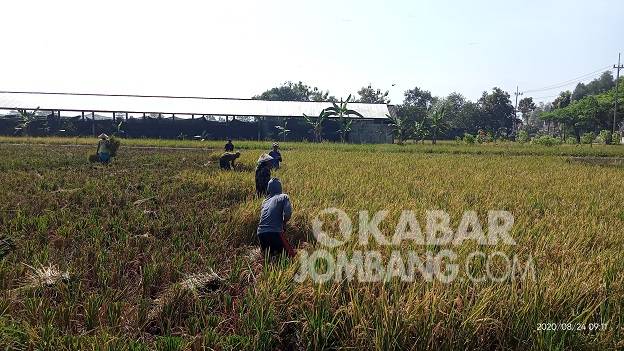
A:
[179,105]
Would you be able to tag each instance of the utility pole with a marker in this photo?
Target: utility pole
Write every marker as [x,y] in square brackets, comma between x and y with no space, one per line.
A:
[517,93]
[618,67]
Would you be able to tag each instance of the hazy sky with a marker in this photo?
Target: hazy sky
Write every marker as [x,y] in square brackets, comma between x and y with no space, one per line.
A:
[241,48]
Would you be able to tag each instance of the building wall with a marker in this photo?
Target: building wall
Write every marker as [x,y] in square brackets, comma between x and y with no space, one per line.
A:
[370,132]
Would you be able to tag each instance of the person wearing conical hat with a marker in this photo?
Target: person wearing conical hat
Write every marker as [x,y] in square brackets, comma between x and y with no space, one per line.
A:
[263,174]
[277,156]
[226,161]
[103,149]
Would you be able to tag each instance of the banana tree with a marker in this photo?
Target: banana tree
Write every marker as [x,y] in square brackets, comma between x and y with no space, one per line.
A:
[419,131]
[343,113]
[282,131]
[317,124]
[26,118]
[437,119]
[400,127]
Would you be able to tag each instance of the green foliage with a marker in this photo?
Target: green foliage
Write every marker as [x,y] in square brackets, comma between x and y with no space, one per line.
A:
[342,111]
[299,91]
[283,131]
[588,138]
[616,138]
[373,96]
[6,245]
[484,137]
[523,137]
[546,140]
[317,125]
[26,118]
[400,127]
[526,106]
[591,112]
[570,140]
[436,118]
[496,111]
[469,138]
[605,137]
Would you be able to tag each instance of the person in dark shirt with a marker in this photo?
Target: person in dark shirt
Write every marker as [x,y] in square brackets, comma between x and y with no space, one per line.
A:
[263,174]
[226,161]
[277,156]
[229,147]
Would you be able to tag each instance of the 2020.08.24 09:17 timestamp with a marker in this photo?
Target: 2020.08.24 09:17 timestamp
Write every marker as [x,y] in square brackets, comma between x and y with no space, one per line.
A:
[552,326]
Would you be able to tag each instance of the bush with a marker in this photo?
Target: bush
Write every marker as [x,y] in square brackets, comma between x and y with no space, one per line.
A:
[522,137]
[483,137]
[588,138]
[570,140]
[616,138]
[605,137]
[546,140]
[469,138]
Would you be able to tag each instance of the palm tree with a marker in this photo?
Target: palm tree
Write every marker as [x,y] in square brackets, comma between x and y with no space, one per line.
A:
[317,124]
[342,112]
[436,116]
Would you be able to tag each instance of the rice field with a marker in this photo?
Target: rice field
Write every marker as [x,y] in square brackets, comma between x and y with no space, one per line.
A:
[158,250]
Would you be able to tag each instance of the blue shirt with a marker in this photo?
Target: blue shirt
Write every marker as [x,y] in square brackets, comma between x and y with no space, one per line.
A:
[276,209]
[277,158]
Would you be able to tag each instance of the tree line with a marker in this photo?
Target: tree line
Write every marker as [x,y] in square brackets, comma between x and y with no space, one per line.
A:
[585,110]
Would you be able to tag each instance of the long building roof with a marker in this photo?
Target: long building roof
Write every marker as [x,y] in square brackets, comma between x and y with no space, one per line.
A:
[175,105]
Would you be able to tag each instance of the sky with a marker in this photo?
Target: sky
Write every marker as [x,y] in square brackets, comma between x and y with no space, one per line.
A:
[241,48]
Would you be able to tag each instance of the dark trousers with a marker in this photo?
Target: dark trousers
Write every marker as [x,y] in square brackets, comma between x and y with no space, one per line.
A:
[274,244]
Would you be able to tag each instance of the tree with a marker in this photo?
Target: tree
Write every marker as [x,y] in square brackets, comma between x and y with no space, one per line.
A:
[342,111]
[373,96]
[437,119]
[290,91]
[525,106]
[26,118]
[400,127]
[563,100]
[597,86]
[283,131]
[415,104]
[418,98]
[317,124]
[496,111]
[419,130]
[456,103]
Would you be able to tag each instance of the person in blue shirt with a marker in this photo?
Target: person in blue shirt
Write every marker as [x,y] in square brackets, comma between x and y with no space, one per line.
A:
[275,211]
[277,156]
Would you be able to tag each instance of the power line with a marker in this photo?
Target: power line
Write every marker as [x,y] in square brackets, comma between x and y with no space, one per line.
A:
[569,81]
[545,97]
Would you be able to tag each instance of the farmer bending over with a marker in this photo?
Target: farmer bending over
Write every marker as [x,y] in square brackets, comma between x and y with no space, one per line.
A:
[226,161]
[277,157]
[275,212]
[103,149]
[263,174]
